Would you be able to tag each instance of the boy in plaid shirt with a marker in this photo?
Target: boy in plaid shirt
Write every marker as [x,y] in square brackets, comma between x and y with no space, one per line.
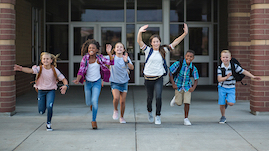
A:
[182,82]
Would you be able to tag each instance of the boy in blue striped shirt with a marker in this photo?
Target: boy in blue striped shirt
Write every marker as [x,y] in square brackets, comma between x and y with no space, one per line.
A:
[183,84]
[226,85]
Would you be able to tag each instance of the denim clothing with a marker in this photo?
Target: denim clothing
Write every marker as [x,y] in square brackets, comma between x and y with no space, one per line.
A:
[45,101]
[92,91]
[122,87]
[156,85]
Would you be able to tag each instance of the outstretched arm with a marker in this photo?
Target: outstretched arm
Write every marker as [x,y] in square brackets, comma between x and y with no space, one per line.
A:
[180,38]
[245,72]
[23,69]
[76,81]
[108,50]
[139,35]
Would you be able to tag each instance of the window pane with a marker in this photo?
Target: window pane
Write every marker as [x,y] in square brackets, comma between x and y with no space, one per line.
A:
[130,41]
[57,40]
[110,35]
[57,11]
[202,69]
[215,42]
[176,11]
[175,31]
[130,12]
[198,38]
[199,10]
[216,12]
[81,34]
[149,10]
[97,11]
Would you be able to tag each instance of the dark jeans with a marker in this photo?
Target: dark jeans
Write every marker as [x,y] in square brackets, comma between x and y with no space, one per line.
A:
[156,85]
[45,101]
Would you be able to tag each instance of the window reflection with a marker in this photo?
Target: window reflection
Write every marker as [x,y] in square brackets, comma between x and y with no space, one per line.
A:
[199,10]
[81,34]
[110,35]
[198,40]
[178,52]
[149,10]
[202,69]
[176,10]
[97,11]
[56,11]
[57,40]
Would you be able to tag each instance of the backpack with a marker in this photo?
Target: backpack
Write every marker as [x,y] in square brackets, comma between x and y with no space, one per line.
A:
[164,62]
[237,76]
[39,73]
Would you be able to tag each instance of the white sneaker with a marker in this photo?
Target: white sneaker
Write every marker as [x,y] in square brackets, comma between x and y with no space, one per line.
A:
[122,120]
[187,122]
[172,103]
[48,126]
[115,115]
[158,120]
[150,117]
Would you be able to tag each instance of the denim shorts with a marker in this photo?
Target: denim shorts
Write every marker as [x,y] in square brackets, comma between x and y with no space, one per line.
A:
[226,94]
[122,87]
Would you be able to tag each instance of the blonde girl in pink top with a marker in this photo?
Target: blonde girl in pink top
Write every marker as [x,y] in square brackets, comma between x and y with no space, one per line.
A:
[46,83]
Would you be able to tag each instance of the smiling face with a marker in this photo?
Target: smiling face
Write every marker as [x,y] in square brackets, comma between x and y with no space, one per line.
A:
[225,58]
[92,49]
[189,57]
[155,43]
[46,60]
[119,48]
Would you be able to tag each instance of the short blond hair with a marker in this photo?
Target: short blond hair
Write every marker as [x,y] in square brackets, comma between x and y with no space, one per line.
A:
[226,51]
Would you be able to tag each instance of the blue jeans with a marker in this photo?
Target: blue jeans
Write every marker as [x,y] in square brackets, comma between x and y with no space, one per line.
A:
[92,91]
[45,101]
[156,85]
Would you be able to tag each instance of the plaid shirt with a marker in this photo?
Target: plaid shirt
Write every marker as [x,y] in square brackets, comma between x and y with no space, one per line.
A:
[183,80]
[105,73]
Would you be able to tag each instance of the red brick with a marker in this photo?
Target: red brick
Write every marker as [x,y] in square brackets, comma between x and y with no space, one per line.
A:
[8,104]
[255,103]
[7,11]
[257,11]
[7,16]
[7,73]
[7,57]
[6,37]
[12,62]
[7,32]
[259,109]
[7,21]
[11,109]
[9,52]
[7,47]
[8,94]
[8,99]
[257,1]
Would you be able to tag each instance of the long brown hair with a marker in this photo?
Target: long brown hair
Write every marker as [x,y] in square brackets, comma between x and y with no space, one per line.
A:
[161,48]
[85,45]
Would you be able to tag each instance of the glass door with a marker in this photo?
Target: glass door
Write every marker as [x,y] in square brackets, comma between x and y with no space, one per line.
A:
[200,39]
[139,54]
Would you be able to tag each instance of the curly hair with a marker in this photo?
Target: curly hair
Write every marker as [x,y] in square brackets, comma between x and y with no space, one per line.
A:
[85,46]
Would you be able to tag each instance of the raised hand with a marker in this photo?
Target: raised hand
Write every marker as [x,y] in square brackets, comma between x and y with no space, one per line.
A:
[108,48]
[186,30]
[143,28]
[125,57]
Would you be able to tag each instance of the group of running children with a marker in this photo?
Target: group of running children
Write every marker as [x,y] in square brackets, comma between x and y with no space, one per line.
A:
[115,68]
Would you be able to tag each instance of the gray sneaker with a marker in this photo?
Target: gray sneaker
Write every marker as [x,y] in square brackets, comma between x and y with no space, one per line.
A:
[150,117]
[222,120]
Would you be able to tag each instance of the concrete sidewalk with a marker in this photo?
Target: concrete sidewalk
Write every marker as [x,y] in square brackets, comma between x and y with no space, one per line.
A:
[26,130]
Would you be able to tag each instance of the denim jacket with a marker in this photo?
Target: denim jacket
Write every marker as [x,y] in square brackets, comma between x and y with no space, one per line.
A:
[104,63]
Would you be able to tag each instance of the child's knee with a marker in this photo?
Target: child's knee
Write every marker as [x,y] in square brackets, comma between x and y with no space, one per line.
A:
[230,104]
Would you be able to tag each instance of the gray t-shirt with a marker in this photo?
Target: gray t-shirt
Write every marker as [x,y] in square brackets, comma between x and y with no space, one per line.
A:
[119,71]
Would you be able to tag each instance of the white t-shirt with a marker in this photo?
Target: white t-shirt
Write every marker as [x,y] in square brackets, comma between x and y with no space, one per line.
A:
[93,72]
[154,65]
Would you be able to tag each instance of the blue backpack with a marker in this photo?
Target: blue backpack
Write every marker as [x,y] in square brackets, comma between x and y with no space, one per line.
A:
[164,62]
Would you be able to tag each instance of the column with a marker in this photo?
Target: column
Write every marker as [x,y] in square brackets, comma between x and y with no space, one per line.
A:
[239,40]
[259,35]
[7,57]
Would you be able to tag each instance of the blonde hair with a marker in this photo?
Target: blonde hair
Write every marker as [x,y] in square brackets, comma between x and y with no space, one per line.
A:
[226,51]
[113,50]
[53,58]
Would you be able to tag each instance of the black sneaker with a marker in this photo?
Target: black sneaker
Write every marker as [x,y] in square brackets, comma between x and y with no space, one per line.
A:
[48,126]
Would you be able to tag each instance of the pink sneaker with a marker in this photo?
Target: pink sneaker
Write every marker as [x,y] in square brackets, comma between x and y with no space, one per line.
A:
[122,120]
[115,115]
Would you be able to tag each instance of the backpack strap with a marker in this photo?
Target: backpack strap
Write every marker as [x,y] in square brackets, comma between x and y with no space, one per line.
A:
[150,53]
[54,72]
